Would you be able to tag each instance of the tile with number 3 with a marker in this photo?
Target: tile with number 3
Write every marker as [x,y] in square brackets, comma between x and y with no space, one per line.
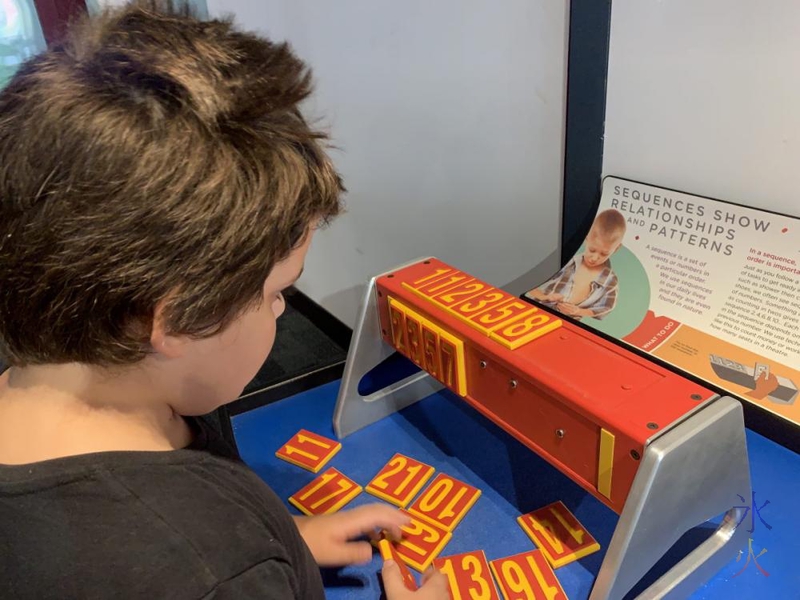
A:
[326,494]
[308,450]
[469,575]
[400,480]
[527,575]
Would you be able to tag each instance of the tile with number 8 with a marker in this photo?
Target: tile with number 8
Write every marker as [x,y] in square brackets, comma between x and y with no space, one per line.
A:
[558,534]
[326,494]
[527,575]
[422,542]
[308,450]
[400,480]
[445,501]
[469,575]
[388,552]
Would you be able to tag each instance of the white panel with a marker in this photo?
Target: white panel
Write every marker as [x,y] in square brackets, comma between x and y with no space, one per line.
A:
[449,119]
[703,97]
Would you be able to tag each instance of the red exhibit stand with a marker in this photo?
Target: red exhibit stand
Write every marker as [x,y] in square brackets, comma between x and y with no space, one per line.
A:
[663,452]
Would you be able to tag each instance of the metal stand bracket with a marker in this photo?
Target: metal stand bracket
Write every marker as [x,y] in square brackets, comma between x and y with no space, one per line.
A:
[367,350]
[691,473]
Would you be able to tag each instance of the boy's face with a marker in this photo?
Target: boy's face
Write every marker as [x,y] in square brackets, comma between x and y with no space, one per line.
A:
[598,248]
[214,371]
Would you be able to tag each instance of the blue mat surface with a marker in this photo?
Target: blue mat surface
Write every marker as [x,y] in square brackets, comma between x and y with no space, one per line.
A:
[445,433]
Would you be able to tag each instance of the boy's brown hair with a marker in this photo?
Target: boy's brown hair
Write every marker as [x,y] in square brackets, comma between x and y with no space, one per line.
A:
[610,224]
[150,158]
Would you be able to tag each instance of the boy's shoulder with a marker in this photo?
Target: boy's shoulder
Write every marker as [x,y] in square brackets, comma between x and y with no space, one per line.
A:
[169,524]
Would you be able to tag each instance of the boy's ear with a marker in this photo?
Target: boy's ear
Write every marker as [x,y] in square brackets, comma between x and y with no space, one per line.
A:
[164,343]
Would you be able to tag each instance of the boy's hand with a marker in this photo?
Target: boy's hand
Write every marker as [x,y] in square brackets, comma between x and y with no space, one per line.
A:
[332,538]
[540,295]
[434,585]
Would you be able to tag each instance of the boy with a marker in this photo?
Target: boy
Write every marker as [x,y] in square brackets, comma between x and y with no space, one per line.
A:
[587,286]
[158,189]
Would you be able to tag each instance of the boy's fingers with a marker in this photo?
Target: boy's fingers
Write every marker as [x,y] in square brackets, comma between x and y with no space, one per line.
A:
[357,553]
[436,582]
[392,579]
[370,517]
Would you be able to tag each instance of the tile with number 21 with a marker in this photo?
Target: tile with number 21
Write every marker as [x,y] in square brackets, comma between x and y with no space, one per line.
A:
[399,480]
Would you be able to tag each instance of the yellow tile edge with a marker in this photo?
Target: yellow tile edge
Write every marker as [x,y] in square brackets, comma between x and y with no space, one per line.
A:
[300,507]
[498,578]
[605,463]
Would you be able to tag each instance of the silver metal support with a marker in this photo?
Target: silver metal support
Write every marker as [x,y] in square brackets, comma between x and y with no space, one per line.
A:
[689,474]
[367,350]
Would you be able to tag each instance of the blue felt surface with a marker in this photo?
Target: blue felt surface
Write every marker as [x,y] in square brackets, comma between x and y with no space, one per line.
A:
[445,433]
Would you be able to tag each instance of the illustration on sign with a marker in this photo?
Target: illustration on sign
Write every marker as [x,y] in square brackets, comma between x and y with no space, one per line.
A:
[709,287]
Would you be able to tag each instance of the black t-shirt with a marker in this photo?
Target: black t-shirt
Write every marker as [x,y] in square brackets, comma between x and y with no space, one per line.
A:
[193,523]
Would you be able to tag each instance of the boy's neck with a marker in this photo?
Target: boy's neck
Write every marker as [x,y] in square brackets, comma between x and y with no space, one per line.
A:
[595,269]
[53,411]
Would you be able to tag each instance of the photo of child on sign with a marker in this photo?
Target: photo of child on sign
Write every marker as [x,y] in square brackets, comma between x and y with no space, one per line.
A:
[587,285]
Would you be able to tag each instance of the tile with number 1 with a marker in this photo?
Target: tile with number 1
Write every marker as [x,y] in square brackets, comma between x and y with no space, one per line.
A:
[308,450]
